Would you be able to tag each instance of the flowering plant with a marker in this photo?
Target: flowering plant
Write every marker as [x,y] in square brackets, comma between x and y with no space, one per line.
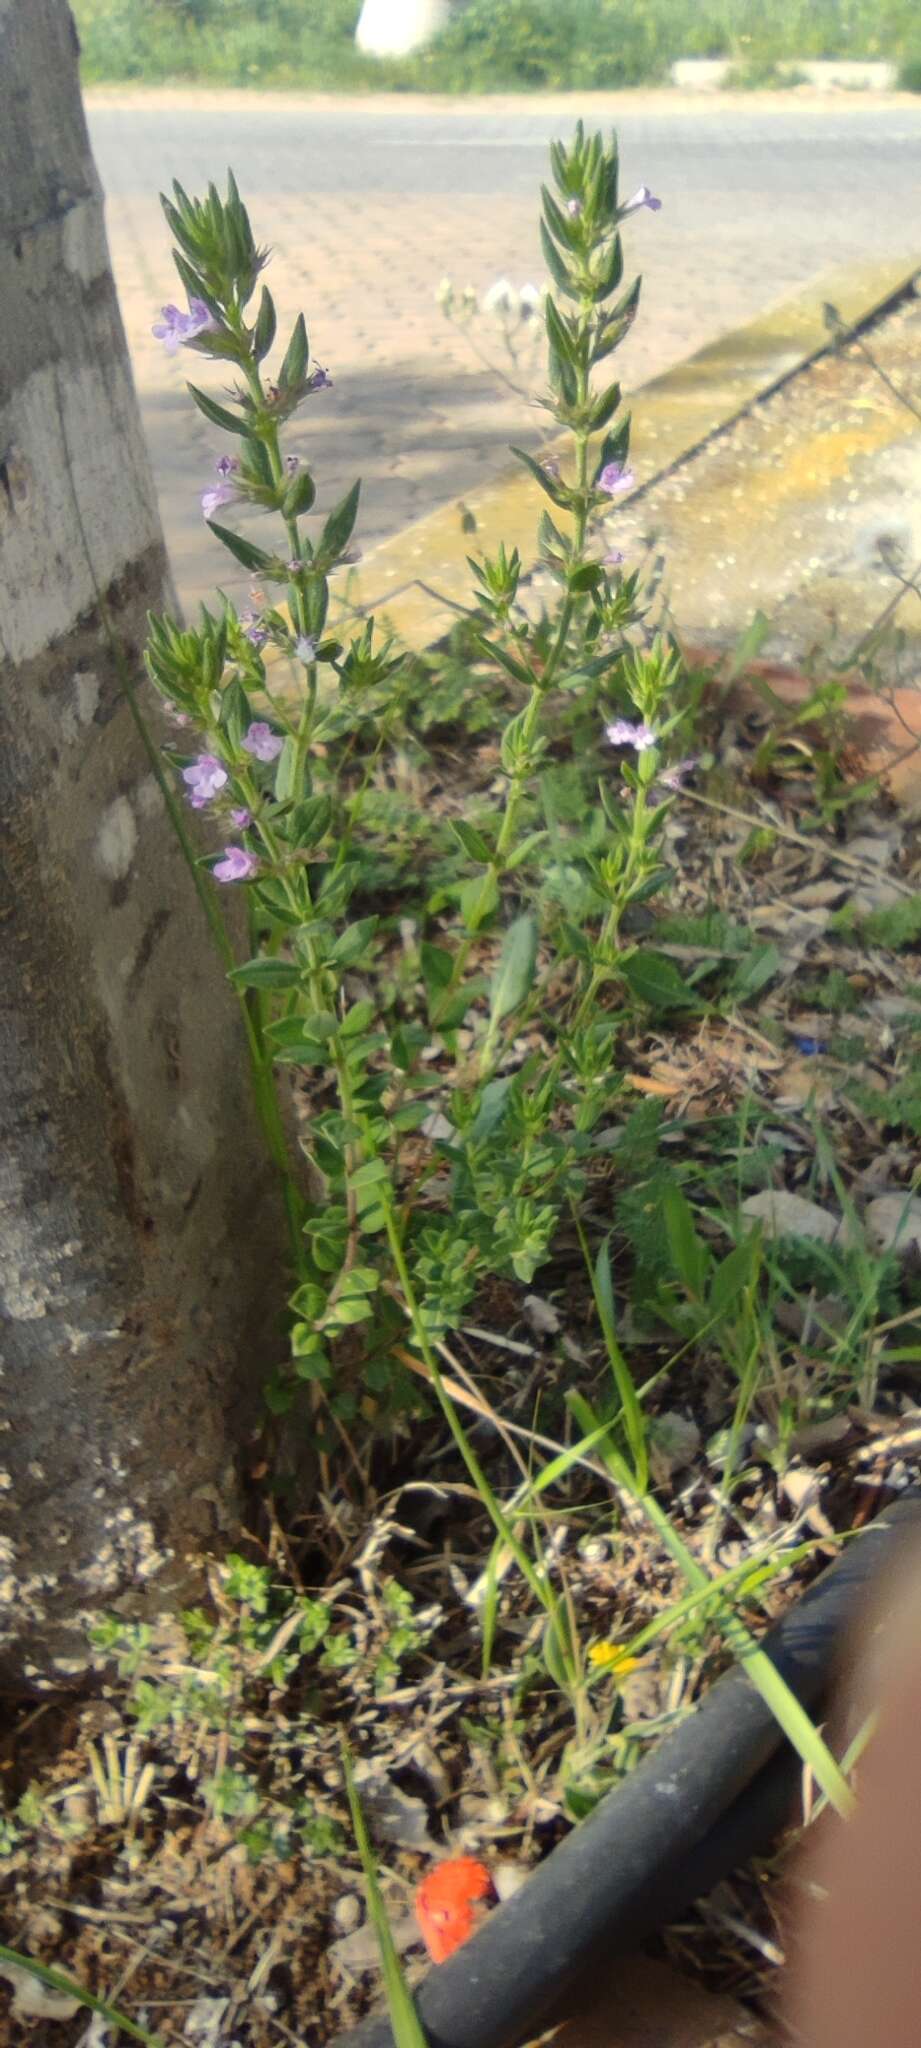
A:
[413,1194]
[453,1019]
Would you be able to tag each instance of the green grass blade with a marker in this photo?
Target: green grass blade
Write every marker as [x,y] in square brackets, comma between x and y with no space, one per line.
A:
[800,1730]
[404,2019]
[58,1980]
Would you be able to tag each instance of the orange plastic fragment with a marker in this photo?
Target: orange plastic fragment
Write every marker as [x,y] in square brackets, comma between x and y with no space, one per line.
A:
[446,1901]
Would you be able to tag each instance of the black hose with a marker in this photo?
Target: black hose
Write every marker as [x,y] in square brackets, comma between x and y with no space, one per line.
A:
[708,1797]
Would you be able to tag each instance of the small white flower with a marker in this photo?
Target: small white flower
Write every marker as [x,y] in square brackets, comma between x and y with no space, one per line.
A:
[501,297]
[531,297]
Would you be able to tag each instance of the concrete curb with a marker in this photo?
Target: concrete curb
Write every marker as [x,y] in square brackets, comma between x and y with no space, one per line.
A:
[419,582]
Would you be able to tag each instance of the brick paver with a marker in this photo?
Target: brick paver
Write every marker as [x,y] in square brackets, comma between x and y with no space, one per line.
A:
[367,204]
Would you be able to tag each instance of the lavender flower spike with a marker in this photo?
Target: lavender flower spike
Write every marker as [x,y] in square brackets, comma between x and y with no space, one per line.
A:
[174,327]
[626,733]
[614,479]
[642,197]
[260,741]
[204,778]
[235,865]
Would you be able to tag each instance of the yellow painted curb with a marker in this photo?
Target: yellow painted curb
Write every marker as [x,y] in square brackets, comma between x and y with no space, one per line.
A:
[419,582]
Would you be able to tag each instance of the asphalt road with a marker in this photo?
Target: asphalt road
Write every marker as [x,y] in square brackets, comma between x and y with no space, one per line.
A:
[367,205]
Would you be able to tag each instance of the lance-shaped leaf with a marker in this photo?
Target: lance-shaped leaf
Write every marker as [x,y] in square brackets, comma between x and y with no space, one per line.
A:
[514,975]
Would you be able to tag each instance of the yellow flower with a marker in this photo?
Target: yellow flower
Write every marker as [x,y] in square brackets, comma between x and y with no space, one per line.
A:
[613,1658]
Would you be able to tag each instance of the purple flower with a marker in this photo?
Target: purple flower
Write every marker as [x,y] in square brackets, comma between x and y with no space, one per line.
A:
[306,649]
[175,327]
[614,557]
[625,733]
[294,567]
[235,865]
[320,380]
[226,465]
[614,479]
[204,779]
[262,742]
[242,819]
[217,495]
[642,197]
[675,777]
[253,629]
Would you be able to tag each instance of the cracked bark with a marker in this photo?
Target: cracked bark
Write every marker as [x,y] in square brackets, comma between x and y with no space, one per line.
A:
[140,1235]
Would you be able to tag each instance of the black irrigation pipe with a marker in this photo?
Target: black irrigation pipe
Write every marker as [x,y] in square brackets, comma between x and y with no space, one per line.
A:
[712,1794]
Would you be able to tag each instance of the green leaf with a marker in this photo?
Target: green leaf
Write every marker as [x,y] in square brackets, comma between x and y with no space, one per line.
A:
[561,226]
[605,407]
[231,422]
[317,1029]
[357,1019]
[338,529]
[353,943]
[525,850]
[755,971]
[297,357]
[587,576]
[654,979]
[242,550]
[514,975]
[559,336]
[299,496]
[556,263]
[471,840]
[734,1274]
[308,821]
[437,967]
[479,899]
[286,770]
[551,484]
[309,1301]
[557,1650]
[507,661]
[264,331]
[265,973]
[691,1256]
[236,715]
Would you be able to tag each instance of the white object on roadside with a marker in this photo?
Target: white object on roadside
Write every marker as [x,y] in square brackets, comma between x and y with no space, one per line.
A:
[393,28]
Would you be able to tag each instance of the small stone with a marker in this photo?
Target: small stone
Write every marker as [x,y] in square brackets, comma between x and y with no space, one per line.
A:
[893,1223]
[347,1913]
[787,1215]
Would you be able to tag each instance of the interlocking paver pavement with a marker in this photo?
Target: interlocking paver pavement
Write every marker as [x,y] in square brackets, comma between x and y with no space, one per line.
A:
[367,204]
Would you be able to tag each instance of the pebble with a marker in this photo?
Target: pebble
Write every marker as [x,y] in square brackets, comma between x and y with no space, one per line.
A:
[347,1913]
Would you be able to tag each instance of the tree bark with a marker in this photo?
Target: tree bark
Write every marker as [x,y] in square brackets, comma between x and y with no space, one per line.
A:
[140,1237]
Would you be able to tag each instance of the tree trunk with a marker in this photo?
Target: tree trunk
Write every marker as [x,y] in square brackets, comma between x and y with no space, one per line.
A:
[140,1240]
